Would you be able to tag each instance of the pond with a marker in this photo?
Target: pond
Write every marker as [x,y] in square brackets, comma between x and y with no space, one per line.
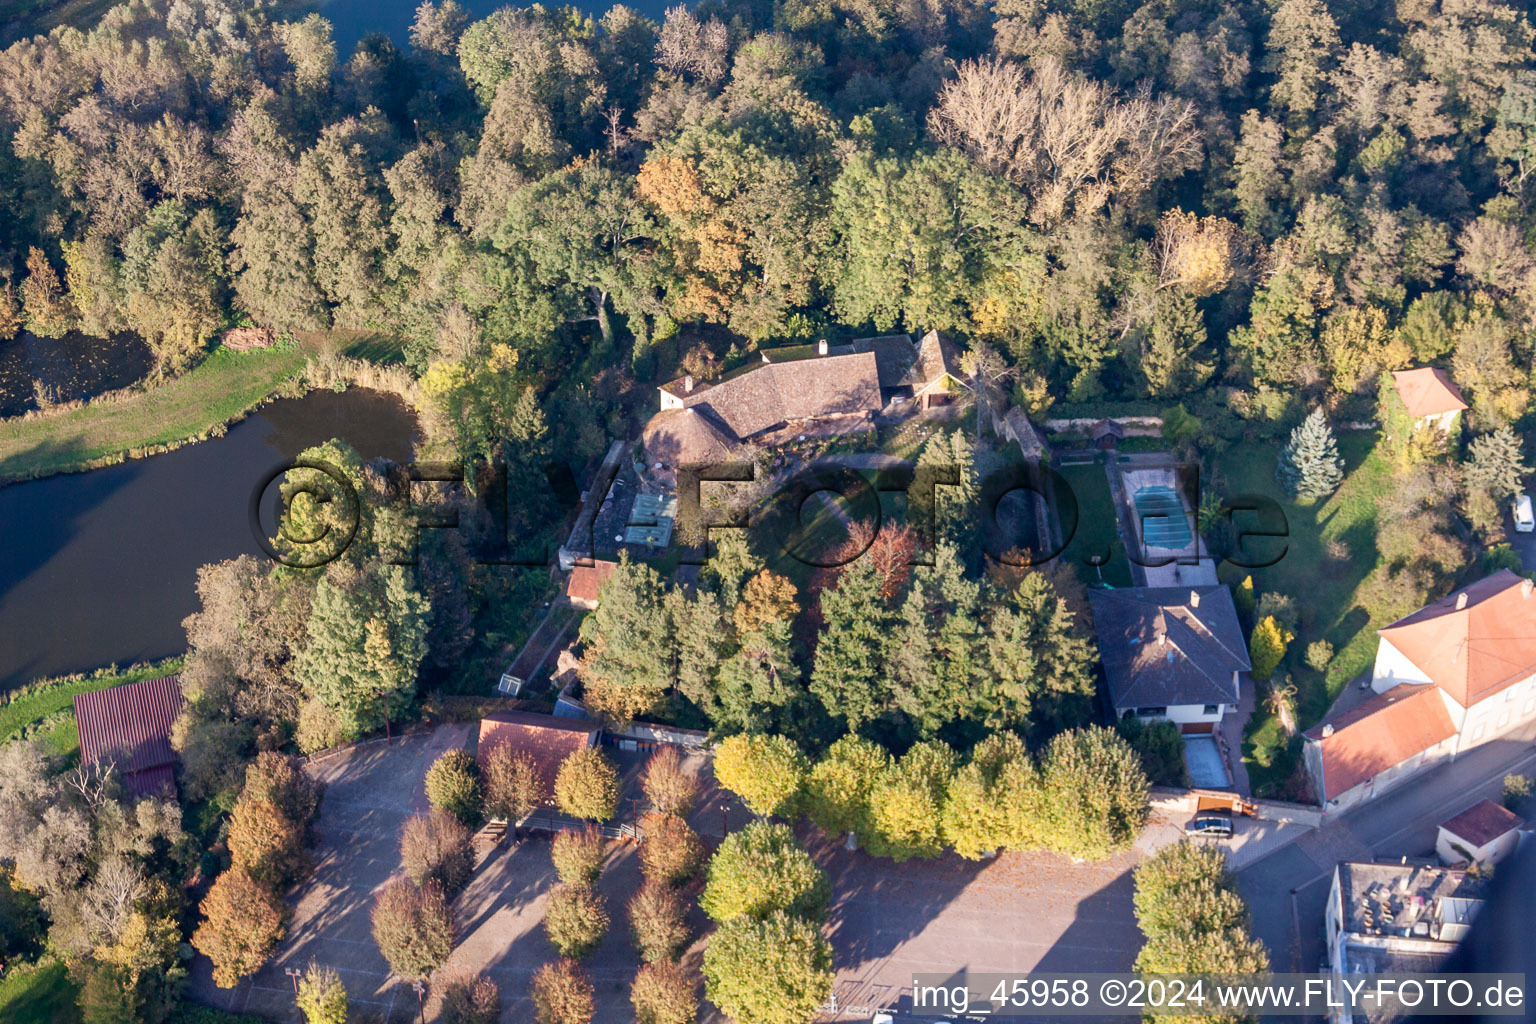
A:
[99,568]
[67,369]
[351,20]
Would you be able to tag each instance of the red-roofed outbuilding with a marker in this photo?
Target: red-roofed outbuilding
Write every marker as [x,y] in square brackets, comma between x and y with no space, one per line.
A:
[130,725]
[548,739]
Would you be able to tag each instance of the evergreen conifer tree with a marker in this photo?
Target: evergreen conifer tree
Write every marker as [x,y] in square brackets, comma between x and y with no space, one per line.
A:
[1310,466]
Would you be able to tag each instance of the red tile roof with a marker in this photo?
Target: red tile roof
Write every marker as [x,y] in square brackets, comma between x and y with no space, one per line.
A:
[1386,730]
[131,725]
[1482,823]
[1427,392]
[1474,651]
[587,580]
[550,740]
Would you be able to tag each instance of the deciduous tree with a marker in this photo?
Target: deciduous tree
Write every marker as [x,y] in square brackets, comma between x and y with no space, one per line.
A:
[413,928]
[575,920]
[579,854]
[242,923]
[767,772]
[587,785]
[658,922]
[762,869]
[436,847]
[768,971]
[663,993]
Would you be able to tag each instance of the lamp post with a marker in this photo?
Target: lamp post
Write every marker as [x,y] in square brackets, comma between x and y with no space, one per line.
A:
[294,974]
[421,991]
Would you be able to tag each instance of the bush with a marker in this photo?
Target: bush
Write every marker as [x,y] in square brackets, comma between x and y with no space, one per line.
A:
[767,772]
[322,998]
[319,728]
[672,852]
[579,855]
[437,847]
[587,786]
[1266,647]
[470,999]
[658,922]
[760,870]
[512,784]
[1319,655]
[663,993]
[669,786]
[413,928]
[768,972]
[453,784]
[242,923]
[1160,746]
[575,920]
[265,844]
[561,994]
[1517,790]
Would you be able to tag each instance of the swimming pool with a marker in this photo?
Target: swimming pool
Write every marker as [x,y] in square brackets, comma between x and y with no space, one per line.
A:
[1163,521]
[1206,768]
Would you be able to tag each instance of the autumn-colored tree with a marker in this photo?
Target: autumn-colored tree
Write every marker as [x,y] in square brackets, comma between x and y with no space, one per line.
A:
[587,785]
[561,994]
[1266,646]
[242,923]
[265,843]
[838,790]
[1194,254]
[578,854]
[512,784]
[658,922]
[663,993]
[767,772]
[760,869]
[768,971]
[436,847]
[44,305]
[575,920]
[453,784]
[469,999]
[906,806]
[669,786]
[413,927]
[767,597]
[322,998]
[11,317]
[672,853]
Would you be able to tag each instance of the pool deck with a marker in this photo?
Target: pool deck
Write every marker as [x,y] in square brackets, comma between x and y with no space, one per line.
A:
[1191,566]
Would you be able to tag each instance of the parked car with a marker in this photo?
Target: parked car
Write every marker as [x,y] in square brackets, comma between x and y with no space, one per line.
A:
[1525,522]
[1216,824]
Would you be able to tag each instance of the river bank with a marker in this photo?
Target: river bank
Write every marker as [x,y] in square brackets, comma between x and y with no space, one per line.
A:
[203,403]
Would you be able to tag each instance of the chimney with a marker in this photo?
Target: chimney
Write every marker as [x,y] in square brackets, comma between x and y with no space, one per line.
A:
[1327,731]
[688,384]
[1461,600]
[821,347]
[1162,638]
[1525,589]
[1194,599]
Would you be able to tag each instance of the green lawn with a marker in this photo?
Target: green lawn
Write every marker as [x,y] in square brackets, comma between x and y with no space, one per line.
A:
[1097,527]
[222,388]
[43,708]
[43,996]
[1335,596]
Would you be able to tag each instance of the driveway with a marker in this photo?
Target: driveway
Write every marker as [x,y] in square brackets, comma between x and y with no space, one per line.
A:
[1287,890]
[1524,544]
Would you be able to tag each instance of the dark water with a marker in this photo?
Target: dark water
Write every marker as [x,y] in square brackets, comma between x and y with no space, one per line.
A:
[100,567]
[351,20]
[72,367]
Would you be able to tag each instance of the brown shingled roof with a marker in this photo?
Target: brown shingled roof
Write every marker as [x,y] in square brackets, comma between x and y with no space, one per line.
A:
[1474,651]
[547,739]
[749,403]
[1427,391]
[131,725]
[1384,731]
[587,580]
[1482,823]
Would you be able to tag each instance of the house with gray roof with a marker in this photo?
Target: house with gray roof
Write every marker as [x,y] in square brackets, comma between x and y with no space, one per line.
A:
[1171,653]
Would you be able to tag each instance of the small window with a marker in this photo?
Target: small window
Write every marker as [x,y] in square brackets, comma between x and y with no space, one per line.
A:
[1213,709]
[1504,719]
[1530,705]
[1477,733]
[1509,694]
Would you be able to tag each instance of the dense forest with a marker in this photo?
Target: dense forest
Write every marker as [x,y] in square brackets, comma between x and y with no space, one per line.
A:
[1123,201]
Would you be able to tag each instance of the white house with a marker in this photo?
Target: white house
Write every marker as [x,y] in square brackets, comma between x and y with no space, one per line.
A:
[1483,835]
[1430,397]
[1453,675]
[1171,653]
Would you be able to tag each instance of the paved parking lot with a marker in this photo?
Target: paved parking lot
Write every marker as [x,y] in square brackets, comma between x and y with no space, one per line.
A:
[1014,913]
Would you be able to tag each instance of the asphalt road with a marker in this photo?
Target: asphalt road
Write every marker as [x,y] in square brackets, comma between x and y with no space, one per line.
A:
[1288,889]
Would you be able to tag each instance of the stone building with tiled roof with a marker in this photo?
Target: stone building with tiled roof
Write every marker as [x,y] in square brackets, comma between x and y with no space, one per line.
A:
[1430,397]
[1465,666]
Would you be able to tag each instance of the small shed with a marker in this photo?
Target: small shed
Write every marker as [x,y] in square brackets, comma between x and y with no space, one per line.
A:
[130,726]
[1107,434]
[548,740]
[1482,835]
[585,581]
